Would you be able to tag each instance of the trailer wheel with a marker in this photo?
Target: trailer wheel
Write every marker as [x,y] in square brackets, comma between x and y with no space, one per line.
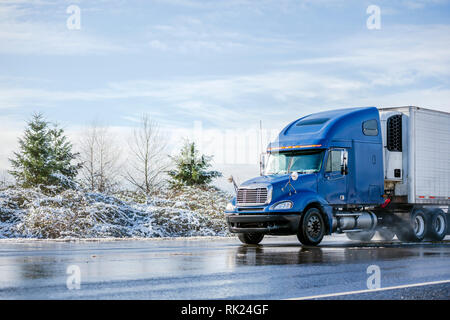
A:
[312,227]
[360,235]
[250,238]
[415,229]
[437,228]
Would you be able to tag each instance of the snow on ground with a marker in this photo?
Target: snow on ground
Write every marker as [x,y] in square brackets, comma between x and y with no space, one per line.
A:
[185,212]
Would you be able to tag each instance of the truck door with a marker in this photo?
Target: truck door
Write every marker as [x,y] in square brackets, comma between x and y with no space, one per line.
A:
[333,184]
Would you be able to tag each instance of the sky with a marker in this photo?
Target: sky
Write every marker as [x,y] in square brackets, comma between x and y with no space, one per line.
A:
[215,67]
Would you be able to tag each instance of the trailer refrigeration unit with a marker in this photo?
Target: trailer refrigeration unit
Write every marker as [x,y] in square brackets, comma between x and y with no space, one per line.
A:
[353,171]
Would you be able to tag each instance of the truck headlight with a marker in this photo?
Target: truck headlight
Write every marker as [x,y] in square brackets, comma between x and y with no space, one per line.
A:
[230,207]
[282,205]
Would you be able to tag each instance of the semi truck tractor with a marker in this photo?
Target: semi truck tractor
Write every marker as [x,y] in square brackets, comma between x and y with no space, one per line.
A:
[356,171]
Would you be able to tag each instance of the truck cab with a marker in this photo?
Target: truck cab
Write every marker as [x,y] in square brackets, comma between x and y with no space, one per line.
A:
[324,173]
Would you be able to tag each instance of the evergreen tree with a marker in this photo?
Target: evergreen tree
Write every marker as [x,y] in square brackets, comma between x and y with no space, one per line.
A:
[45,156]
[191,167]
[63,171]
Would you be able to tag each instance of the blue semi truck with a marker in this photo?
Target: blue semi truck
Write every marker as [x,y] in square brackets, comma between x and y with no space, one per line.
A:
[356,171]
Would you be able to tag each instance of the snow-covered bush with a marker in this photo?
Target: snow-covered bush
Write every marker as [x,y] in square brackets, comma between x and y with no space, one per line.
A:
[188,211]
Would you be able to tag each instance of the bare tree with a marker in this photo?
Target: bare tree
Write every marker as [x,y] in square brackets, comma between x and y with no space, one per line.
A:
[100,156]
[6,179]
[148,158]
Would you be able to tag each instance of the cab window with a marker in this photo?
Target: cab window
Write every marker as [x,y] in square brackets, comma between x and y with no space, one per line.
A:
[370,127]
[334,161]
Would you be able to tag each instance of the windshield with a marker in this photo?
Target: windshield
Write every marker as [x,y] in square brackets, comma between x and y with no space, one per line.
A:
[300,161]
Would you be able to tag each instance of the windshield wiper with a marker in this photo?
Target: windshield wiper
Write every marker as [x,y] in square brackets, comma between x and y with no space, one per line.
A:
[279,172]
[308,171]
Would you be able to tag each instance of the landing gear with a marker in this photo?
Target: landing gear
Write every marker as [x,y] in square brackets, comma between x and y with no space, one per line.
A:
[437,227]
[250,238]
[312,228]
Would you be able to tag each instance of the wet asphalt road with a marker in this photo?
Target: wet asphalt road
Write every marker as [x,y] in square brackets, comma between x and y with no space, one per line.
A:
[279,268]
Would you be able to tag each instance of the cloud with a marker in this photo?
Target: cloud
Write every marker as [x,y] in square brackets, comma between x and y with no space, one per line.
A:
[400,55]
[281,86]
[11,130]
[221,99]
[188,35]
[260,4]
[357,69]
[421,4]
[436,98]
[27,28]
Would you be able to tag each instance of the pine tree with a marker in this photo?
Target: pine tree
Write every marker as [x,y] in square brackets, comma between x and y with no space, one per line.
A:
[63,171]
[191,167]
[45,156]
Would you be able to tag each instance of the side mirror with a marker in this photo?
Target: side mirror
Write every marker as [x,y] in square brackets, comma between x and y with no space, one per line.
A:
[231,180]
[262,163]
[344,162]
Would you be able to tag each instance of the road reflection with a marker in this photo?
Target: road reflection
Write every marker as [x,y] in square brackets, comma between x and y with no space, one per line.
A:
[280,255]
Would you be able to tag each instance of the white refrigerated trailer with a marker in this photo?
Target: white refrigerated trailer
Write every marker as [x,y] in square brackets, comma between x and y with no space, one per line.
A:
[417,154]
[416,150]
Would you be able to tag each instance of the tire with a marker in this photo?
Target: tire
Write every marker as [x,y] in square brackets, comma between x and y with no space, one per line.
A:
[437,228]
[448,221]
[360,235]
[250,238]
[312,227]
[386,234]
[415,229]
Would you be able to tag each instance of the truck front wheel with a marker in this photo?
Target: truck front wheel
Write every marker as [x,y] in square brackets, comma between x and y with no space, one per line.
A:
[250,238]
[312,228]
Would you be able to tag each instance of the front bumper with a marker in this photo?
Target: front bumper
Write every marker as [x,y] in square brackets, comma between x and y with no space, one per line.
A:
[276,224]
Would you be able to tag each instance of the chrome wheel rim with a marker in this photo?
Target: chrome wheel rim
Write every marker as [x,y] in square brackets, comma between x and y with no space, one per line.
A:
[314,227]
[419,225]
[439,224]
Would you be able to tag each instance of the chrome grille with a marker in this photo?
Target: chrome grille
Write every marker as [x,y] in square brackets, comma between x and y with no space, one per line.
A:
[255,196]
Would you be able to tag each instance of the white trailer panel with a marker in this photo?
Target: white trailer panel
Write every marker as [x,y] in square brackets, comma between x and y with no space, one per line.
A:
[431,170]
[426,155]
